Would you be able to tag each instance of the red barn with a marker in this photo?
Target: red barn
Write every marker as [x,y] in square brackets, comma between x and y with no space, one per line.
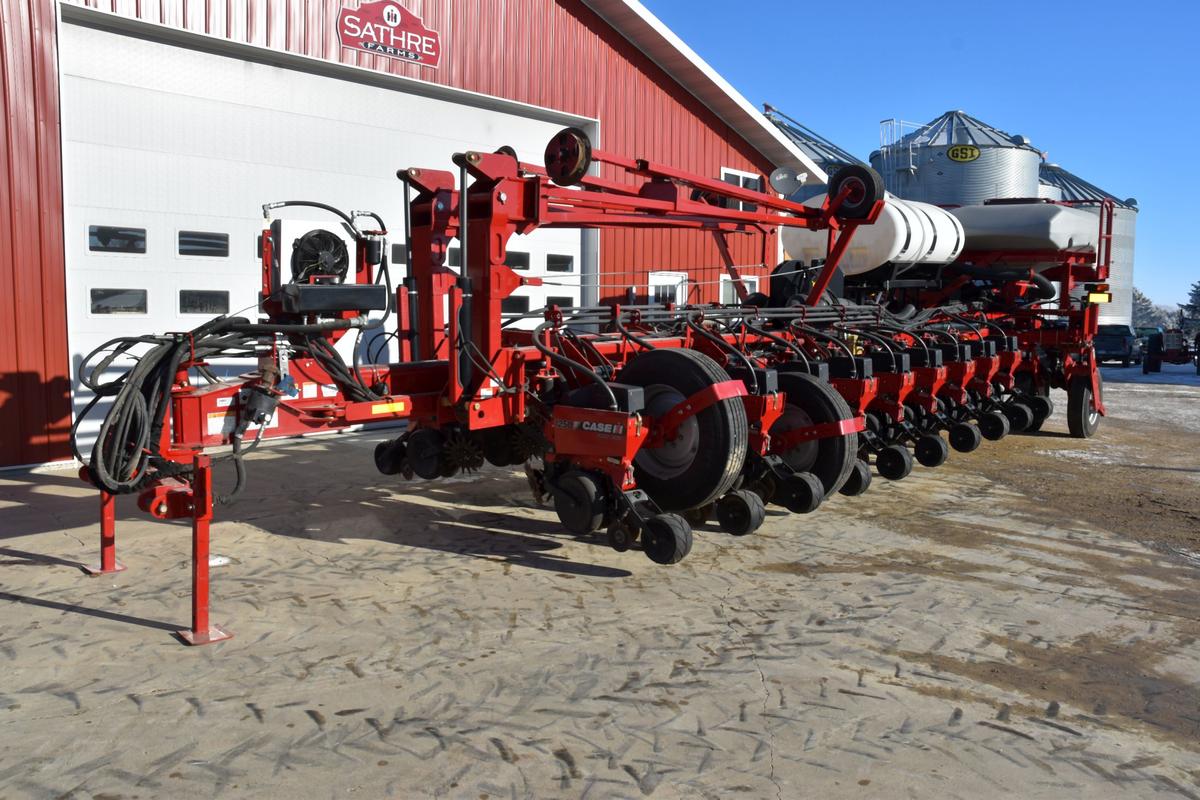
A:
[142,137]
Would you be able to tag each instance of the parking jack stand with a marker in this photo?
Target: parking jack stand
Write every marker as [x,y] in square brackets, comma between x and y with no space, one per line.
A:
[202,631]
[108,539]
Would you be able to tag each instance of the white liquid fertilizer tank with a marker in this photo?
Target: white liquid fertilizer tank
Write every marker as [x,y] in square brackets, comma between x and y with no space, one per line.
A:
[906,233]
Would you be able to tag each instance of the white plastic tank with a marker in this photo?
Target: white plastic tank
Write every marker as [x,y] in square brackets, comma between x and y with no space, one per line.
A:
[906,233]
[1028,227]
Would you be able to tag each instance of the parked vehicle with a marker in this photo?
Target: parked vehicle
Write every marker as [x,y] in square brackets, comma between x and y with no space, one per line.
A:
[1172,347]
[1118,343]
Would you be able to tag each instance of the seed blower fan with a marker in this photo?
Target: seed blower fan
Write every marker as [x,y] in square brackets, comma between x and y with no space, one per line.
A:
[319,256]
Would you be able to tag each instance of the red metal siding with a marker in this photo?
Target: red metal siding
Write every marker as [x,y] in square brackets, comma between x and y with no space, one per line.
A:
[34,391]
[552,53]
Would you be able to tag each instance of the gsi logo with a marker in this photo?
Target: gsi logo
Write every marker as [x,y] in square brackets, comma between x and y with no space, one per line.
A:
[963,153]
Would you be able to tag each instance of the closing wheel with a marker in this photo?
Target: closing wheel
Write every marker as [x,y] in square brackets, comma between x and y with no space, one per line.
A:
[931,450]
[965,437]
[666,538]
[1043,409]
[1020,416]
[1082,419]
[568,156]
[620,536]
[811,401]
[698,516]
[741,512]
[894,462]
[765,487]
[579,502]
[389,456]
[497,446]
[427,453]
[859,480]
[708,450]
[802,493]
[993,425]
[865,186]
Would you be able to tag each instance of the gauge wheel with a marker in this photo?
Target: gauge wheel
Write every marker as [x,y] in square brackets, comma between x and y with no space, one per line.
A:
[894,462]
[666,538]
[579,502]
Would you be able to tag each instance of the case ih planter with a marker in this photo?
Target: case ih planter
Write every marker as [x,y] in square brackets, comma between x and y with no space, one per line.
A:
[636,421]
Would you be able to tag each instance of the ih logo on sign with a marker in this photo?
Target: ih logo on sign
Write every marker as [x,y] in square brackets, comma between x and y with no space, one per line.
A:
[390,29]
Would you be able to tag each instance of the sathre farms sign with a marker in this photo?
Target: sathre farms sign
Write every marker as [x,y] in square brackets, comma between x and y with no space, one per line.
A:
[389,29]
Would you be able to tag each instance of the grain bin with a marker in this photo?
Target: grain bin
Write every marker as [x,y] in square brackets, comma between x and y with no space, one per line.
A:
[956,160]
[827,155]
[1074,189]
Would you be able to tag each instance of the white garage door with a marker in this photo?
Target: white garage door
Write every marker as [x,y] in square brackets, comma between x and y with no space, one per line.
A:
[169,154]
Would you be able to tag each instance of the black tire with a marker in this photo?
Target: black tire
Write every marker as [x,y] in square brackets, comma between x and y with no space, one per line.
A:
[497,446]
[389,456]
[666,538]
[1043,409]
[894,462]
[1020,416]
[756,299]
[579,502]
[965,437]
[931,450]
[859,480]
[811,401]
[803,493]
[866,187]
[1082,420]
[707,455]
[427,453]
[740,513]
[993,425]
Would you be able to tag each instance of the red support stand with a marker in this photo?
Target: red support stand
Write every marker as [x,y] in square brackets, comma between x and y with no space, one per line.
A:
[201,632]
[108,539]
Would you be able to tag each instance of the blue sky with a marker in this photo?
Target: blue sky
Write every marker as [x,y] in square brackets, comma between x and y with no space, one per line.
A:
[1109,90]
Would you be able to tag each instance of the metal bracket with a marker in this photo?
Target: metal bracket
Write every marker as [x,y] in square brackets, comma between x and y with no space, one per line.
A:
[665,427]
[826,430]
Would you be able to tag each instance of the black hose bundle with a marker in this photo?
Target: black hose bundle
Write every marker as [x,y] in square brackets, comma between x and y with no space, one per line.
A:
[127,453]
[127,445]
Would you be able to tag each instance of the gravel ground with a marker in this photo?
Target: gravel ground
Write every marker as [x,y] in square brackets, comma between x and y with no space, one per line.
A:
[1021,622]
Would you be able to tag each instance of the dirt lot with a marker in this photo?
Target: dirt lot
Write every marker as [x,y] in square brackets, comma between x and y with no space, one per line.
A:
[1023,621]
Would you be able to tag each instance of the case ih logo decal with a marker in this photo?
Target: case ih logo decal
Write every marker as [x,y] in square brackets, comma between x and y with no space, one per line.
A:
[604,428]
[389,29]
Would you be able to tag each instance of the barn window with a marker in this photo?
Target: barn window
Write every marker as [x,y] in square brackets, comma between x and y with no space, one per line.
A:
[561,301]
[745,180]
[668,287]
[514,305]
[118,301]
[556,263]
[516,260]
[202,243]
[729,290]
[203,301]
[113,239]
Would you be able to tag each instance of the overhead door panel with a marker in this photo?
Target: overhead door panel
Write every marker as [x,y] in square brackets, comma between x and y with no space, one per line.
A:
[185,146]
